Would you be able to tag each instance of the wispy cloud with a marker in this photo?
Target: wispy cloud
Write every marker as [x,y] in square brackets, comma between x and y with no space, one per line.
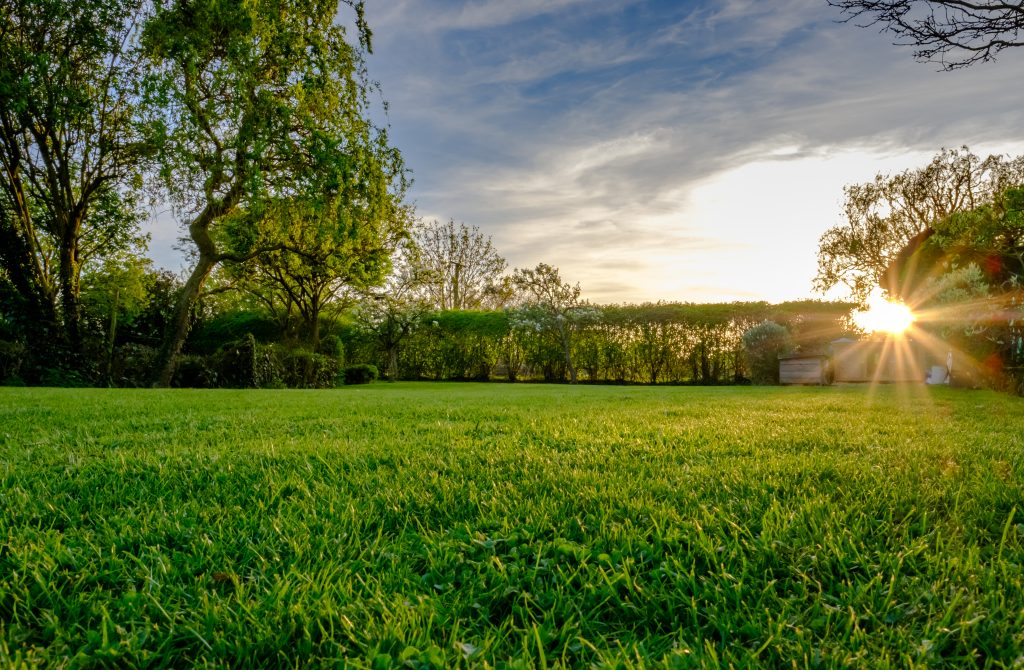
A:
[582,138]
[644,148]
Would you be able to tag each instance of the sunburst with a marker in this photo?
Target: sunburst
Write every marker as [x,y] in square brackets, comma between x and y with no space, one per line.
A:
[884,315]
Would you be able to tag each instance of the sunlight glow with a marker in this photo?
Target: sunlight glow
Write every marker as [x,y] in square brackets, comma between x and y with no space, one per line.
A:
[884,315]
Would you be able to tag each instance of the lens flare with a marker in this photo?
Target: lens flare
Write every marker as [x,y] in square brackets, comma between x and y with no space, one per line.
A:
[883,315]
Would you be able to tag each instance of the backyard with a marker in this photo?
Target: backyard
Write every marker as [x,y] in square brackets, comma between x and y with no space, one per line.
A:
[491,525]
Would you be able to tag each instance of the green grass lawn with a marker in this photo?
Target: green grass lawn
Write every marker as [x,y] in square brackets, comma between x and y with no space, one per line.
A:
[440,525]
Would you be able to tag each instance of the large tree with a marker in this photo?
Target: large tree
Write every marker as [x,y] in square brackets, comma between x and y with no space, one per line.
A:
[263,102]
[953,33]
[68,145]
[892,212]
[460,267]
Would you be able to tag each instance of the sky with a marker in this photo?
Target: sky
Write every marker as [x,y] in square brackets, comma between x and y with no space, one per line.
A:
[675,150]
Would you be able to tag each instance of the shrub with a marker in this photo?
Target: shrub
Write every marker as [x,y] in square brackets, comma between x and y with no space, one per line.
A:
[762,345]
[304,369]
[236,364]
[11,355]
[360,374]
[196,372]
[331,345]
[226,330]
[133,365]
[62,378]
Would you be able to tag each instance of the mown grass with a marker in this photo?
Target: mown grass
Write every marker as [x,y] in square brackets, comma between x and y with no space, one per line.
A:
[469,525]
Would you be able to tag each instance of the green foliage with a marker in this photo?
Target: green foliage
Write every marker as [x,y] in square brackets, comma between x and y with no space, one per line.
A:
[248,364]
[884,216]
[238,364]
[267,142]
[967,279]
[990,237]
[299,368]
[333,346]
[132,365]
[762,346]
[11,355]
[201,372]
[228,327]
[553,307]
[652,343]
[388,319]
[147,327]
[359,374]
[117,287]
[62,378]
[71,153]
[512,526]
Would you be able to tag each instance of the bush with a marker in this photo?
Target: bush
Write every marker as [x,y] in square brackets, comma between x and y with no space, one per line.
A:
[226,330]
[11,355]
[133,365]
[236,364]
[331,345]
[360,374]
[762,345]
[195,372]
[60,377]
[304,369]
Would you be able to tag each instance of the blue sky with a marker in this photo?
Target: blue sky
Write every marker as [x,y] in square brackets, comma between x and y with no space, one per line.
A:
[689,151]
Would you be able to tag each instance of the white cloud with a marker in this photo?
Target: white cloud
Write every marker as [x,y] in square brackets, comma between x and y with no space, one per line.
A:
[677,163]
[476,14]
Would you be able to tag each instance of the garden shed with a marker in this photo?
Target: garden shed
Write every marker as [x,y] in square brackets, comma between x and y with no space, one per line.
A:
[853,360]
[804,369]
[893,359]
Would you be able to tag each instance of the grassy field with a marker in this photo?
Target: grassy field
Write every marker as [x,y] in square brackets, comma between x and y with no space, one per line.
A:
[432,525]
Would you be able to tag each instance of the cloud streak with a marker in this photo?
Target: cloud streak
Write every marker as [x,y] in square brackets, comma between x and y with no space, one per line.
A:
[644,148]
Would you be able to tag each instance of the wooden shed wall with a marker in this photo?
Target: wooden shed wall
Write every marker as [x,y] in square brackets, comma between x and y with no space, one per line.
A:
[802,371]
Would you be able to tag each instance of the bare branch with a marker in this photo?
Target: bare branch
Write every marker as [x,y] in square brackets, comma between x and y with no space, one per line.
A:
[952,33]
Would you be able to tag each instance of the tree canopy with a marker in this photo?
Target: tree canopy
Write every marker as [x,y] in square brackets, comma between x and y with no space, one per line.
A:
[69,147]
[459,265]
[885,215]
[262,104]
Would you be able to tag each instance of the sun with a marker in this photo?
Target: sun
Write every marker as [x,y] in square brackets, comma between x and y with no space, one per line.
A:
[883,315]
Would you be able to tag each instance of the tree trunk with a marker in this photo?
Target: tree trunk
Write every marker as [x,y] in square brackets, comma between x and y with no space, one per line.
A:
[314,342]
[314,331]
[111,337]
[69,298]
[567,349]
[177,326]
[392,363]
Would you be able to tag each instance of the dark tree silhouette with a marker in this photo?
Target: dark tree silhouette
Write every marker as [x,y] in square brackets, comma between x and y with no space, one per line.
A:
[953,33]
